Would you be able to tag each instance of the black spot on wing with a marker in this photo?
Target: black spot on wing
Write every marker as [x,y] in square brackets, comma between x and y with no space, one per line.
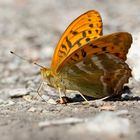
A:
[93,46]
[87,39]
[84,34]
[73,59]
[96,31]
[90,32]
[62,52]
[74,32]
[112,48]
[83,53]
[78,42]
[91,25]
[103,48]
[100,33]
[117,54]
[76,55]
[64,47]
[68,42]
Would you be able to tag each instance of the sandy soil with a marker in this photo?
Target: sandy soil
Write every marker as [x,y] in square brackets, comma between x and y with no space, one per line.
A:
[32,28]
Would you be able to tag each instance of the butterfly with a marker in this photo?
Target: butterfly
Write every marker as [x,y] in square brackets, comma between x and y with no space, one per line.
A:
[87,61]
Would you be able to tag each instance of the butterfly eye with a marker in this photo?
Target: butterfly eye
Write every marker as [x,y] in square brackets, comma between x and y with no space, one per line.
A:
[48,73]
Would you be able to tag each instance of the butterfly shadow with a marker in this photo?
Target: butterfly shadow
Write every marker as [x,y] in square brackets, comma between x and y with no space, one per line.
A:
[126,95]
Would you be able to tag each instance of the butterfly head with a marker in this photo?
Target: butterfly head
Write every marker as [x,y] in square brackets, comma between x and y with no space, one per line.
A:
[46,73]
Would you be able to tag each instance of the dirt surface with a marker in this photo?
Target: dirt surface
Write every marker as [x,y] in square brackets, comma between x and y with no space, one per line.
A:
[32,28]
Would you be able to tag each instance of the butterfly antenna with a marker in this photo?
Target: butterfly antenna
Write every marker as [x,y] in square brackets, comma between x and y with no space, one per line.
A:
[29,61]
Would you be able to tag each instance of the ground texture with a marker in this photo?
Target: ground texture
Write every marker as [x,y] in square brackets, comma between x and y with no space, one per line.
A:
[32,28]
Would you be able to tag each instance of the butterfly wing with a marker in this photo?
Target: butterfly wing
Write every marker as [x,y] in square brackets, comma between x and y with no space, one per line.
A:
[86,27]
[99,76]
[117,44]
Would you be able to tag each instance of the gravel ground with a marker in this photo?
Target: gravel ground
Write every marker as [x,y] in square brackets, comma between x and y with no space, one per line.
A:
[32,28]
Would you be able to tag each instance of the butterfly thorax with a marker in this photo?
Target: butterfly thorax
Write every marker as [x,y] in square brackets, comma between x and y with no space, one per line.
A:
[53,80]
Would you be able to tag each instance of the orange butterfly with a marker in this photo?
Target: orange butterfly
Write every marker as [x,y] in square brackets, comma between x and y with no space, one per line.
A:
[88,62]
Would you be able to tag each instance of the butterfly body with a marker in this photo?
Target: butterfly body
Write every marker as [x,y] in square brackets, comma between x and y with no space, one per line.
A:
[88,62]
[100,76]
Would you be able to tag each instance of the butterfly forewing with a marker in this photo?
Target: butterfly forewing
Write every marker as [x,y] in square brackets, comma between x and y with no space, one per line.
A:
[117,44]
[85,28]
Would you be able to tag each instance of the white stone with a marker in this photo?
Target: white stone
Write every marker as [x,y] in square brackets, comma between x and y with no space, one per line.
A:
[133,57]
[51,101]
[6,102]
[109,123]
[32,109]
[18,92]
[60,122]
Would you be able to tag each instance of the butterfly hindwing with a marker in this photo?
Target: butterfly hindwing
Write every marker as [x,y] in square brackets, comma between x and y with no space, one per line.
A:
[99,76]
[117,44]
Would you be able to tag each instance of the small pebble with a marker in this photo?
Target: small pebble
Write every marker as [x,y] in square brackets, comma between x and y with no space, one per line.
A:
[18,92]
[10,79]
[97,103]
[32,109]
[107,108]
[6,103]
[45,97]
[2,101]
[52,101]
[61,122]
[28,98]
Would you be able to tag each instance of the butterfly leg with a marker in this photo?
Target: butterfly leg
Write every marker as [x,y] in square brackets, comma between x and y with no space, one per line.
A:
[60,100]
[64,99]
[60,93]
[39,90]
[84,98]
